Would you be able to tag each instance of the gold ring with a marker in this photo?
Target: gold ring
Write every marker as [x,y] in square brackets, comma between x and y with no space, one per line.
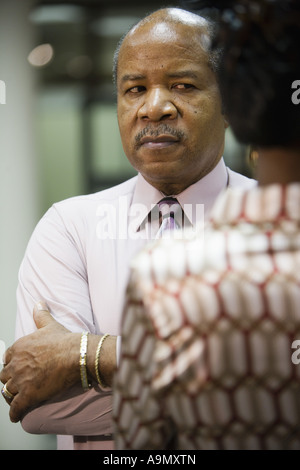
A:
[6,393]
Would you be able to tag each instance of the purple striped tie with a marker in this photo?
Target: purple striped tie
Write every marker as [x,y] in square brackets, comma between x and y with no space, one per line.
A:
[168,206]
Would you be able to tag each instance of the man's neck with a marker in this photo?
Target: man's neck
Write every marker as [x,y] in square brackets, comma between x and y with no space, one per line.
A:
[169,187]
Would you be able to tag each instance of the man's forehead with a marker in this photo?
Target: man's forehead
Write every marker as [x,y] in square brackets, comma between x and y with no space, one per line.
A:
[154,34]
[186,33]
[168,61]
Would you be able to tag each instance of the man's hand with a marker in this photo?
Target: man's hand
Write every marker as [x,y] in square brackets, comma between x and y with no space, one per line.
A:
[40,365]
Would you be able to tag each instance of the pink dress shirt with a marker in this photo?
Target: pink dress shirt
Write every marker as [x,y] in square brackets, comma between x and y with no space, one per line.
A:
[77,260]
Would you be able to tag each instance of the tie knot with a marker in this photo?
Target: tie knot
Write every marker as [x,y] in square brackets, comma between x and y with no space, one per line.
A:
[170,216]
[168,206]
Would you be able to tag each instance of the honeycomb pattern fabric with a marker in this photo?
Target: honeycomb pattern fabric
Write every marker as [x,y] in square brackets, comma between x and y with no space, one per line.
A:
[208,332]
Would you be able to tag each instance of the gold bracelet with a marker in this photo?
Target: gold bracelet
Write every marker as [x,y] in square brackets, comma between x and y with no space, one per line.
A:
[100,382]
[82,361]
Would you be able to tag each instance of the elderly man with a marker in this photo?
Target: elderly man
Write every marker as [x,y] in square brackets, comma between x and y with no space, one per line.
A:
[172,128]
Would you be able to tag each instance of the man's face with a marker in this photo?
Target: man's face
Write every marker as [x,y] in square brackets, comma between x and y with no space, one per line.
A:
[169,107]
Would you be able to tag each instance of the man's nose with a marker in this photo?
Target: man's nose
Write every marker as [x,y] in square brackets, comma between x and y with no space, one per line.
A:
[158,105]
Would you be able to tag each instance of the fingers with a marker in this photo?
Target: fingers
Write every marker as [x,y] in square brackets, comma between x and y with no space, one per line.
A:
[4,374]
[11,387]
[17,409]
[9,392]
[19,403]
[7,356]
[41,314]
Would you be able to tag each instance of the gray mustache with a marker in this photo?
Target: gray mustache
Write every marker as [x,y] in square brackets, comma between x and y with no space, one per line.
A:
[162,129]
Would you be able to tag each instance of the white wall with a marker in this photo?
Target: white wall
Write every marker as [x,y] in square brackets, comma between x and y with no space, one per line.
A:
[19,186]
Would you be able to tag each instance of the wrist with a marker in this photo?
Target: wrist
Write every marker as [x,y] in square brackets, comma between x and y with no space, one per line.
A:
[71,348]
[106,362]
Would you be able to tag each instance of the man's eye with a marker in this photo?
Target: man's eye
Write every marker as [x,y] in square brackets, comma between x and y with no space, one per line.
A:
[183,86]
[136,89]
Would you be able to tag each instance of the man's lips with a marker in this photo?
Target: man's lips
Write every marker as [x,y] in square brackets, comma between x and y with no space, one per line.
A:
[157,142]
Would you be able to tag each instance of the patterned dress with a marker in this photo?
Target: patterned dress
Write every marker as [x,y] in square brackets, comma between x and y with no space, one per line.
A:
[211,332]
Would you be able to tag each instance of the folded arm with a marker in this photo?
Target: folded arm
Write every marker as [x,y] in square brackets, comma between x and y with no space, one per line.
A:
[45,365]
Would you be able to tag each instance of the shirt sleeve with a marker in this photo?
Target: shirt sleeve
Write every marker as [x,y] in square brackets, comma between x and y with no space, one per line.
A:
[54,270]
[74,413]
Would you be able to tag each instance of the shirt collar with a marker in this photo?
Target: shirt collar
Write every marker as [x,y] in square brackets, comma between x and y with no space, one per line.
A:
[203,192]
[145,197]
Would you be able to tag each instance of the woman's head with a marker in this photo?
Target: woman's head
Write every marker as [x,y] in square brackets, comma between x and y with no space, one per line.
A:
[260,62]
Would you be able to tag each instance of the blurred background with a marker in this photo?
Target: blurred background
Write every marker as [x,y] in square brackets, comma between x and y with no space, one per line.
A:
[58,130]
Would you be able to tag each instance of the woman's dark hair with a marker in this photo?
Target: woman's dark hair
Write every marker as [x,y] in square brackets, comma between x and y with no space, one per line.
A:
[260,41]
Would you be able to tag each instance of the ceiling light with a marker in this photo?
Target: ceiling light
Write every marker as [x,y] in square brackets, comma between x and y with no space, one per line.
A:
[57,14]
[41,55]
